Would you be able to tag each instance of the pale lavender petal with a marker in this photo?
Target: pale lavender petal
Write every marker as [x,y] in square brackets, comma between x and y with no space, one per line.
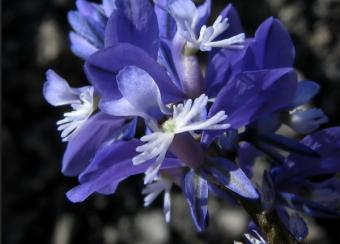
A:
[80,46]
[142,92]
[57,91]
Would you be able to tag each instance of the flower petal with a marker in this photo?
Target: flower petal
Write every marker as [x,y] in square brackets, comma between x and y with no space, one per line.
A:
[87,28]
[196,192]
[253,94]
[57,92]
[273,46]
[134,22]
[294,224]
[80,46]
[102,67]
[166,24]
[306,90]
[107,171]
[142,92]
[232,177]
[83,145]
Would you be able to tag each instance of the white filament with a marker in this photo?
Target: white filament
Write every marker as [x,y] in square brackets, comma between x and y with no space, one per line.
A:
[82,110]
[186,118]
[153,190]
[205,41]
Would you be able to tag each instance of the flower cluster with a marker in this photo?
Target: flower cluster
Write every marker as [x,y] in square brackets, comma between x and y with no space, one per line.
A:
[201,132]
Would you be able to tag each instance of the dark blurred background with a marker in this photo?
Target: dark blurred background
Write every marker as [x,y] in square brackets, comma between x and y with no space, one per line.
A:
[35,208]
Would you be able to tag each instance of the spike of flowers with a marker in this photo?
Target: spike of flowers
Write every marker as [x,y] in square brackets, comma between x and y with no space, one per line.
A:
[141,62]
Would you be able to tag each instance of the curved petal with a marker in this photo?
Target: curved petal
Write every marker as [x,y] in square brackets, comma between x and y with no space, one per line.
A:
[141,91]
[294,224]
[88,28]
[232,177]
[57,92]
[106,172]
[103,66]
[252,95]
[108,155]
[120,107]
[134,22]
[166,24]
[308,207]
[92,10]
[273,46]
[327,144]
[196,191]
[306,90]
[225,64]
[83,145]
[80,46]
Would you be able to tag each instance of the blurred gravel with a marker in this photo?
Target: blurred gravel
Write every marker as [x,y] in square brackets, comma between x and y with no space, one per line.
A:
[35,209]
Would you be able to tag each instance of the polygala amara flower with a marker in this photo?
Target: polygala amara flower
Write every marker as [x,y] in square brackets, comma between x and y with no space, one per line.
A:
[197,131]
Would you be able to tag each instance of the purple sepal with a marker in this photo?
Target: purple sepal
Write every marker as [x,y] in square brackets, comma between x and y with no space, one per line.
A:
[196,192]
[82,146]
[267,192]
[166,58]
[232,177]
[252,95]
[141,94]
[166,24]
[327,144]
[294,224]
[223,67]
[306,90]
[308,207]
[134,22]
[111,165]
[273,47]
[287,144]
[101,70]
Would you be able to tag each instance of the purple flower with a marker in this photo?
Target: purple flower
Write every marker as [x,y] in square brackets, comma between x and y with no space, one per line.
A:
[141,62]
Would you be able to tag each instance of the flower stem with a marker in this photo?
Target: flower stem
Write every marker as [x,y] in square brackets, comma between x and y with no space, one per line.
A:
[268,222]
